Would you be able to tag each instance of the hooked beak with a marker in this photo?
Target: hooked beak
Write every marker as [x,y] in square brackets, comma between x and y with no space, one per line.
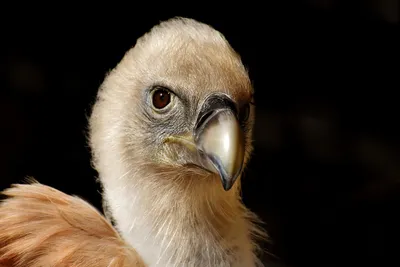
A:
[218,140]
[221,140]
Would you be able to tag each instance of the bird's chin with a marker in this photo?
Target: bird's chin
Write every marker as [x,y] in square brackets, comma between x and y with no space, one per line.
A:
[198,169]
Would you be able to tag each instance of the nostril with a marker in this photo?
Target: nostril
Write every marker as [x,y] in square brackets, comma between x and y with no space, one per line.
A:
[203,118]
[213,104]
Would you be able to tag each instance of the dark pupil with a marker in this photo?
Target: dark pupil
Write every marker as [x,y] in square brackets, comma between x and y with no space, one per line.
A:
[161,98]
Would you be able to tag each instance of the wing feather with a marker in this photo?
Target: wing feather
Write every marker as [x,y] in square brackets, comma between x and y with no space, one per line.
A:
[41,226]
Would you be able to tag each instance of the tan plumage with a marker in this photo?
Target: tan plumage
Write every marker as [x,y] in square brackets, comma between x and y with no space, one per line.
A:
[41,226]
[161,170]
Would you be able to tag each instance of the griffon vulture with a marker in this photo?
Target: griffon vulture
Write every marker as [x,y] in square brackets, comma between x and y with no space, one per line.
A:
[170,133]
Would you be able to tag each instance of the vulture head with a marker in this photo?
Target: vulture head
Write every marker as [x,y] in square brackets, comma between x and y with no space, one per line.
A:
[178,104]
[171,133]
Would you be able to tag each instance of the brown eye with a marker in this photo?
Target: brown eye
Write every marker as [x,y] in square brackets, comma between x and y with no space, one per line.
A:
[161,98]
[244,113]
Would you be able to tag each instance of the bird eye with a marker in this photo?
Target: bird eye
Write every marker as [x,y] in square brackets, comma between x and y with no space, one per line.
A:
[244,113]
[161,98]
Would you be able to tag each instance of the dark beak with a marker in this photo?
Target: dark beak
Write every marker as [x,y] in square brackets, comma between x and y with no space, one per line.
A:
[219,138]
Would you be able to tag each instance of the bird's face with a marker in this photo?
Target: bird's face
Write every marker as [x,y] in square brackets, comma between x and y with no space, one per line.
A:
[187,104]
[191,130]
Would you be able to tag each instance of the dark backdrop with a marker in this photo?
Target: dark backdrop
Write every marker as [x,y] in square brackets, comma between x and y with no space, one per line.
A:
[325,176]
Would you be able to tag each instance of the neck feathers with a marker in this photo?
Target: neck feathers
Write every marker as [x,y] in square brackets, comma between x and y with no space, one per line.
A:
[183,219]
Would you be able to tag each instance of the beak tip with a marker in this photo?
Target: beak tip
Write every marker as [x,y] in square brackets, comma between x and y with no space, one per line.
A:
[226,185]
[228,182]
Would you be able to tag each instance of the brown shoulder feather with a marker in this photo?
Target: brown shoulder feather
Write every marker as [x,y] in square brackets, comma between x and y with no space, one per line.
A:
[41,226]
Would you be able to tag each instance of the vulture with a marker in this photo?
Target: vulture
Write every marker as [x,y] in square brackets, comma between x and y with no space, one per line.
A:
[170,133]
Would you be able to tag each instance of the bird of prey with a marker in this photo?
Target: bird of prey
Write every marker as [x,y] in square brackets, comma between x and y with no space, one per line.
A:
[171,134]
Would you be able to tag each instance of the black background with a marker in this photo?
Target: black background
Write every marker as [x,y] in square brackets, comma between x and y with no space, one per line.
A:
[325,176]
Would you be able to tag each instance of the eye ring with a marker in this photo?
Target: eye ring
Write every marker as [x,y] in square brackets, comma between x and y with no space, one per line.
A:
[161,97]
